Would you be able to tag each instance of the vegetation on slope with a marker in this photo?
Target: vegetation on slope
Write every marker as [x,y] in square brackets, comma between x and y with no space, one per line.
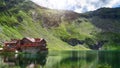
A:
[63,30]
[25,20]
[107,19]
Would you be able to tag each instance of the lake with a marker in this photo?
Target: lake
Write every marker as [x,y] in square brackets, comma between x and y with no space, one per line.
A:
[62,59]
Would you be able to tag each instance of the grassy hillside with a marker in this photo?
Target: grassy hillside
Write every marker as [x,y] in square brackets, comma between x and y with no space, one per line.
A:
[108,20]
[26,19]
[63,30]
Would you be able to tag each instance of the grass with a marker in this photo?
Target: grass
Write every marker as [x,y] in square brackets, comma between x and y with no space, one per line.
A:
[27,21]
[28,28]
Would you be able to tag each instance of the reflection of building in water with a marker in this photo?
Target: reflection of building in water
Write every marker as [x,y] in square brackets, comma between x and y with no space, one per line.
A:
[26,60]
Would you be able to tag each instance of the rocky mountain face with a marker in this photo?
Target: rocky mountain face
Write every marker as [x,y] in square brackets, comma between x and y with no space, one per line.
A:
[63,29]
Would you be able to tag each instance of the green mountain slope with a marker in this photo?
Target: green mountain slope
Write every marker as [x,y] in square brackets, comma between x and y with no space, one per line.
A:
[23,18]
[108,20]
[63,30]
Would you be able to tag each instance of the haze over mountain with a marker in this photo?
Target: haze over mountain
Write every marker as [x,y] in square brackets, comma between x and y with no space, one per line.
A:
[77,5]
[63,29]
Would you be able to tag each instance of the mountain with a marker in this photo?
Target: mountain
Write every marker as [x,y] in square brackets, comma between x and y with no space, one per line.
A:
[63,29]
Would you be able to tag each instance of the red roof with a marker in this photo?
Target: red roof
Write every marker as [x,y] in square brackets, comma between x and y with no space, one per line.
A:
[30,39]
[34,39]
[12,41]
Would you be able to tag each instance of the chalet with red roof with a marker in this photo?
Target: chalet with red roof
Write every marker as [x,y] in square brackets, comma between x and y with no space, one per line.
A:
[26,45]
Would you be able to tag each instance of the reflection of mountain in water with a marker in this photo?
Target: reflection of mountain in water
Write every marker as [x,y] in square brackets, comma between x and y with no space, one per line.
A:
[76,59]
[26,60]
[63,59]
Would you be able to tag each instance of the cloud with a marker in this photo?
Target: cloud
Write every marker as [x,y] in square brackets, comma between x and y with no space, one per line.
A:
[77,5]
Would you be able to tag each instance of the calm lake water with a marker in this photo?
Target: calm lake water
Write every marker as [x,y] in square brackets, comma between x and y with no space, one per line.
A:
[62,59]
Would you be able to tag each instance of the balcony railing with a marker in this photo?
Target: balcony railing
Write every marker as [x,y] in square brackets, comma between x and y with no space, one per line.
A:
[32,44]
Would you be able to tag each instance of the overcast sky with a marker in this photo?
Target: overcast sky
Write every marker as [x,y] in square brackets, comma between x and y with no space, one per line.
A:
[78,5]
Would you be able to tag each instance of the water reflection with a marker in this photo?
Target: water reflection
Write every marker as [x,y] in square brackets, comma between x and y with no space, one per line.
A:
[78,59]
[63,59]
[25,60]
[109,59]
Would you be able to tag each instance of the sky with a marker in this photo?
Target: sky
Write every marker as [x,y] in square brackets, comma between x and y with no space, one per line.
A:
[78,6]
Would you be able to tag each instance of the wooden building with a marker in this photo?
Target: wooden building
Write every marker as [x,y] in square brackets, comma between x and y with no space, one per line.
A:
[26,45]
